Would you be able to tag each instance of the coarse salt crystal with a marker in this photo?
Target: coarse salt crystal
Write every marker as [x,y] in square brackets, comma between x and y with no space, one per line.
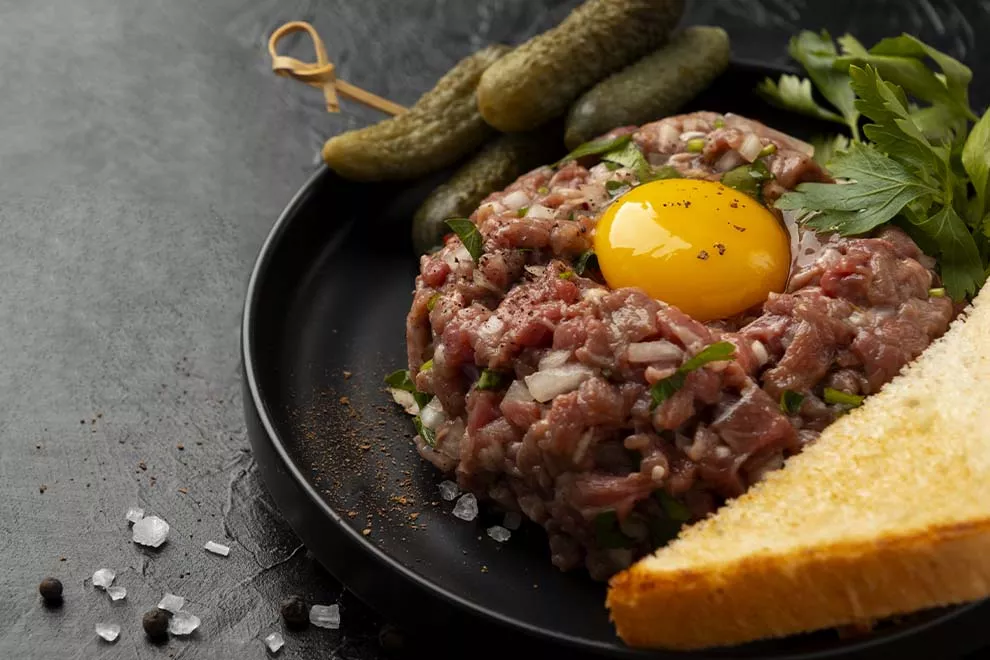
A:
[117,593]
[325,616]
[513,519]
[499,533]
[217,548]
[466,507]
[134,514]
[449,491]
[108,631]
[103,578]
[183,623]
[151,531]
[275,642]
[171,603]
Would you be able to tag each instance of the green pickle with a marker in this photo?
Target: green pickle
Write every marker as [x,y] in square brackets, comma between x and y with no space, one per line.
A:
[441,128]
[540,79]
[654,87]
[502,161]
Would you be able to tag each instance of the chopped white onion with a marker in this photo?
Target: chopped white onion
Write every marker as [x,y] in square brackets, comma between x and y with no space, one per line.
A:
[432,414]
[554,359]
[539,212]
[515,200]
[454,258]
[751,147]
[405,399]
[760,351]
[545,385]
[536,270]
[668,134]
[692,135]
[653,351]
[518,392]
[594,294]
[728,161]
[491,328]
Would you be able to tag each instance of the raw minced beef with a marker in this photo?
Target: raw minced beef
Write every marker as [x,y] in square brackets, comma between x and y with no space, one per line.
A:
[569,438]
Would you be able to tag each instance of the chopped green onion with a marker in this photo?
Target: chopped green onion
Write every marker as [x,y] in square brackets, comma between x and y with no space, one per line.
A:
[522,212]
[587,258]
[717,352]
[748,179]
[468,232]
[543,190]
[571,215]
[595,147]
[428,435]
[834,396]
[767,150]
[936,293]
[566,275]
[427,365]
[790,402]
[432,302]
[607,531]
[490,380]
[696,145]
[719,123]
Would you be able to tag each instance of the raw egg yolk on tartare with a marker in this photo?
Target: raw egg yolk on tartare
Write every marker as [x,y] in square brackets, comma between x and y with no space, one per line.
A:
[708,249]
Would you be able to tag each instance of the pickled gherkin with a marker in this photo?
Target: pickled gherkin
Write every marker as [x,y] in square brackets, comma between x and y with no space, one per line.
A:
[501,162]
[540,79]
[656,86]
[441,128]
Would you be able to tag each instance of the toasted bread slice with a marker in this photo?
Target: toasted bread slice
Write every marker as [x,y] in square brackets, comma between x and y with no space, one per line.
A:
[887,513]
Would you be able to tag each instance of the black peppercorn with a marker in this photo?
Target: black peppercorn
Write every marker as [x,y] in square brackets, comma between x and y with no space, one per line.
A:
[295,612]
[155,623]
[51,590]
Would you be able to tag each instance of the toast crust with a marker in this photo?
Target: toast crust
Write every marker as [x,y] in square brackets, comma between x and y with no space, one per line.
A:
[841,583]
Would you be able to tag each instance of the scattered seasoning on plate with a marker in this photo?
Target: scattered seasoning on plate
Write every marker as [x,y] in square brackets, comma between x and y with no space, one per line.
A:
[51,590]
[703,255]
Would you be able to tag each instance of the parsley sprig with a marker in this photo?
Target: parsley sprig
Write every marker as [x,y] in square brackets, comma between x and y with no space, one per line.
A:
[916,157]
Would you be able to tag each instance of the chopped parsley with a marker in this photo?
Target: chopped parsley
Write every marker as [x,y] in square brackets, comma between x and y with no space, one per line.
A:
[587,259]
[748,179]
[401,380]
[468,232]
[790,402]
[833,396]
[613,187]
[667,387]
[428,435]
[596,148]
[490,380]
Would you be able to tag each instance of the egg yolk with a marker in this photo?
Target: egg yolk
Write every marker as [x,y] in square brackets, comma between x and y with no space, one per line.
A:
[701,246]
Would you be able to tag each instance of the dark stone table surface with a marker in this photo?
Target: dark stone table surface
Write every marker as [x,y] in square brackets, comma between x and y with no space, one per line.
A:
[145,151]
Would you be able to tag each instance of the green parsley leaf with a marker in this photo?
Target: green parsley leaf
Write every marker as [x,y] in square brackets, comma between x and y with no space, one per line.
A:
[428,435]
[817,54]
[630,156]
[790,402]
[468,232]
[595,148]
[976,160]
[490,380]
[960,264]
[607,532]
[794,94]
[587,258]
[834,396]
[748,179]
[717,352]
[827,146]
[880,189]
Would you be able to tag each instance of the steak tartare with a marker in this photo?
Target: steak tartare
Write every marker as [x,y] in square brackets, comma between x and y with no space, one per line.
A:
[540,381]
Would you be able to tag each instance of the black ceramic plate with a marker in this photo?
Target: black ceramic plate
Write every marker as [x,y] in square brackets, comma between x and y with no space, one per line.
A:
[323,323]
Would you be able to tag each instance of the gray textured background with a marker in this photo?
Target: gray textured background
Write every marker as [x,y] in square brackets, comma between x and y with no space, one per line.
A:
[145,150]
